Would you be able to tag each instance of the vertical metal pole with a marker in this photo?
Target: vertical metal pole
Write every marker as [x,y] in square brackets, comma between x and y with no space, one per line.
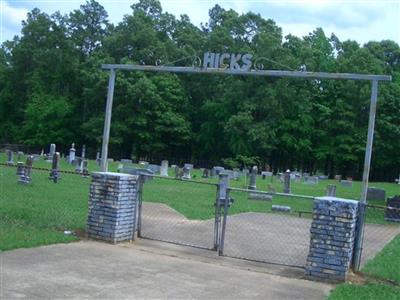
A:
[217,220]
[140,208]
[107,121]
[223,199]
[367,164]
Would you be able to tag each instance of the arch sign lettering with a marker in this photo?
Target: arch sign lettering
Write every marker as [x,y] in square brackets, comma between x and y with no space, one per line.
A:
[230,61]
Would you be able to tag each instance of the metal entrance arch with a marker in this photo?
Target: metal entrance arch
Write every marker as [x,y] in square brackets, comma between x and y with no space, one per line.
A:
[374,79]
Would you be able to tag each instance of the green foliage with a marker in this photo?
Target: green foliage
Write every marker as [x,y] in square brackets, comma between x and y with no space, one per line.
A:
[53,90]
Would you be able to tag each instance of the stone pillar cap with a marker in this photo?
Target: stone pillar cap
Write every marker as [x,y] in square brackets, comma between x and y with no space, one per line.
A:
[330,198]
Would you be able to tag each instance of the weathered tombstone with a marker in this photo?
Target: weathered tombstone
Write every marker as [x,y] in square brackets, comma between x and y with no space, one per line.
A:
[392,212]
[173,166]
[10,158]
[253,177]
[54,172]
[266,174]
[190,166]
[331,190]
[25,178]
[297,178]
[236,174]
[98,159]
[126,160]
[216,171]
[83,151]
[79,165]
[177,172]
[154,168]
[164,168]
[323,177]
[281,208]
[85,170]
[20,154]
[186,173]
[110,160]
[259,196]
[374,193]
[143,164]
[72,154]
[311,179]
[286,182]
[20,168]
[206,173]
[338,177]
[52,150]
[346,183]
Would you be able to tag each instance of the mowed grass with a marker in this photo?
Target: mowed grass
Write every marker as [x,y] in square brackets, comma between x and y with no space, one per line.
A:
[385,266]
[45,209]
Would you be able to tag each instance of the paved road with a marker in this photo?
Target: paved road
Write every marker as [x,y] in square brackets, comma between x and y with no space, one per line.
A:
[95,270]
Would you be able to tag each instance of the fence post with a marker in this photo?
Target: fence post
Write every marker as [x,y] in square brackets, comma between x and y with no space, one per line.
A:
[140,200]
[223,200]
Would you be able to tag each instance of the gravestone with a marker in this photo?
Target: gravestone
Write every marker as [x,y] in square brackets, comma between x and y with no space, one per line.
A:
[143,164]
[154,168]
[281,208]
[72,154]
[338,177]
[190,166]
[146,173]
[297,178]
[52,151]
[20,168]
[374,193]
[215,171]
[392,211]
[311,179]
[206,173]
[331,190]
[286,182]
[55,166]
[236,174]
[83,151]
[173,166]
[266,174]
[259,196]
[98,158]
[85,170]
[177,172]
[79,165]
[346,183]
[110,160]
[10,158]
[186,173]
[126,160]
[253,177]
[25,178]
[323,177]
[164,168]
[20,154]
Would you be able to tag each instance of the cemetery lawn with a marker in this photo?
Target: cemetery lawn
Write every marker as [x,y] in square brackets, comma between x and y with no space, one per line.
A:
[38,214]
[386,267]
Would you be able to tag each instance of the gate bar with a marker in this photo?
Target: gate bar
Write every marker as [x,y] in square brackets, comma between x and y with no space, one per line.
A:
[269,193]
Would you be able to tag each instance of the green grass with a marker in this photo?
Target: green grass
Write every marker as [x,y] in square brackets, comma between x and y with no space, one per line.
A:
[48,207]
[370,291]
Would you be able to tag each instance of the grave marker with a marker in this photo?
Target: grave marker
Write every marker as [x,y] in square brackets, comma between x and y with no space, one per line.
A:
[253,177]
[54,174]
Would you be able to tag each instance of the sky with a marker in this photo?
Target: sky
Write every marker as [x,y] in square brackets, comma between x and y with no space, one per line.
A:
[359,20]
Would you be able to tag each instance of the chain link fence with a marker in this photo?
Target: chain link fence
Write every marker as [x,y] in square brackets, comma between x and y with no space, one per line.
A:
[170,212]
[268,228]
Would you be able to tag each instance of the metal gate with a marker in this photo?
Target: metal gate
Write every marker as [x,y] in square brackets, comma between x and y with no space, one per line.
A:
[240,223]
[166,211]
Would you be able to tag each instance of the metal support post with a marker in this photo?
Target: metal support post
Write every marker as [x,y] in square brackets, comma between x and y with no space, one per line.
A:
[107,122]
[140,202]
[223,201]
[367,164]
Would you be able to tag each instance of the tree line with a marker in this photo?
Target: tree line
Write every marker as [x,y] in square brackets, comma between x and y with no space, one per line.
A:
[52,90]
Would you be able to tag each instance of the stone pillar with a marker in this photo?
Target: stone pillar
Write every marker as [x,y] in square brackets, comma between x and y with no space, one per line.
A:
[331,190]
[164,168]
[332,239]
[253,177]
[112,207]
[72,154]
[286,182]
[83,151]
[20,168]
[79,165]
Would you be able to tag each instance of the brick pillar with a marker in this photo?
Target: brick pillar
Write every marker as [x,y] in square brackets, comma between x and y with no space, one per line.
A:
[332,239]
[112,207]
